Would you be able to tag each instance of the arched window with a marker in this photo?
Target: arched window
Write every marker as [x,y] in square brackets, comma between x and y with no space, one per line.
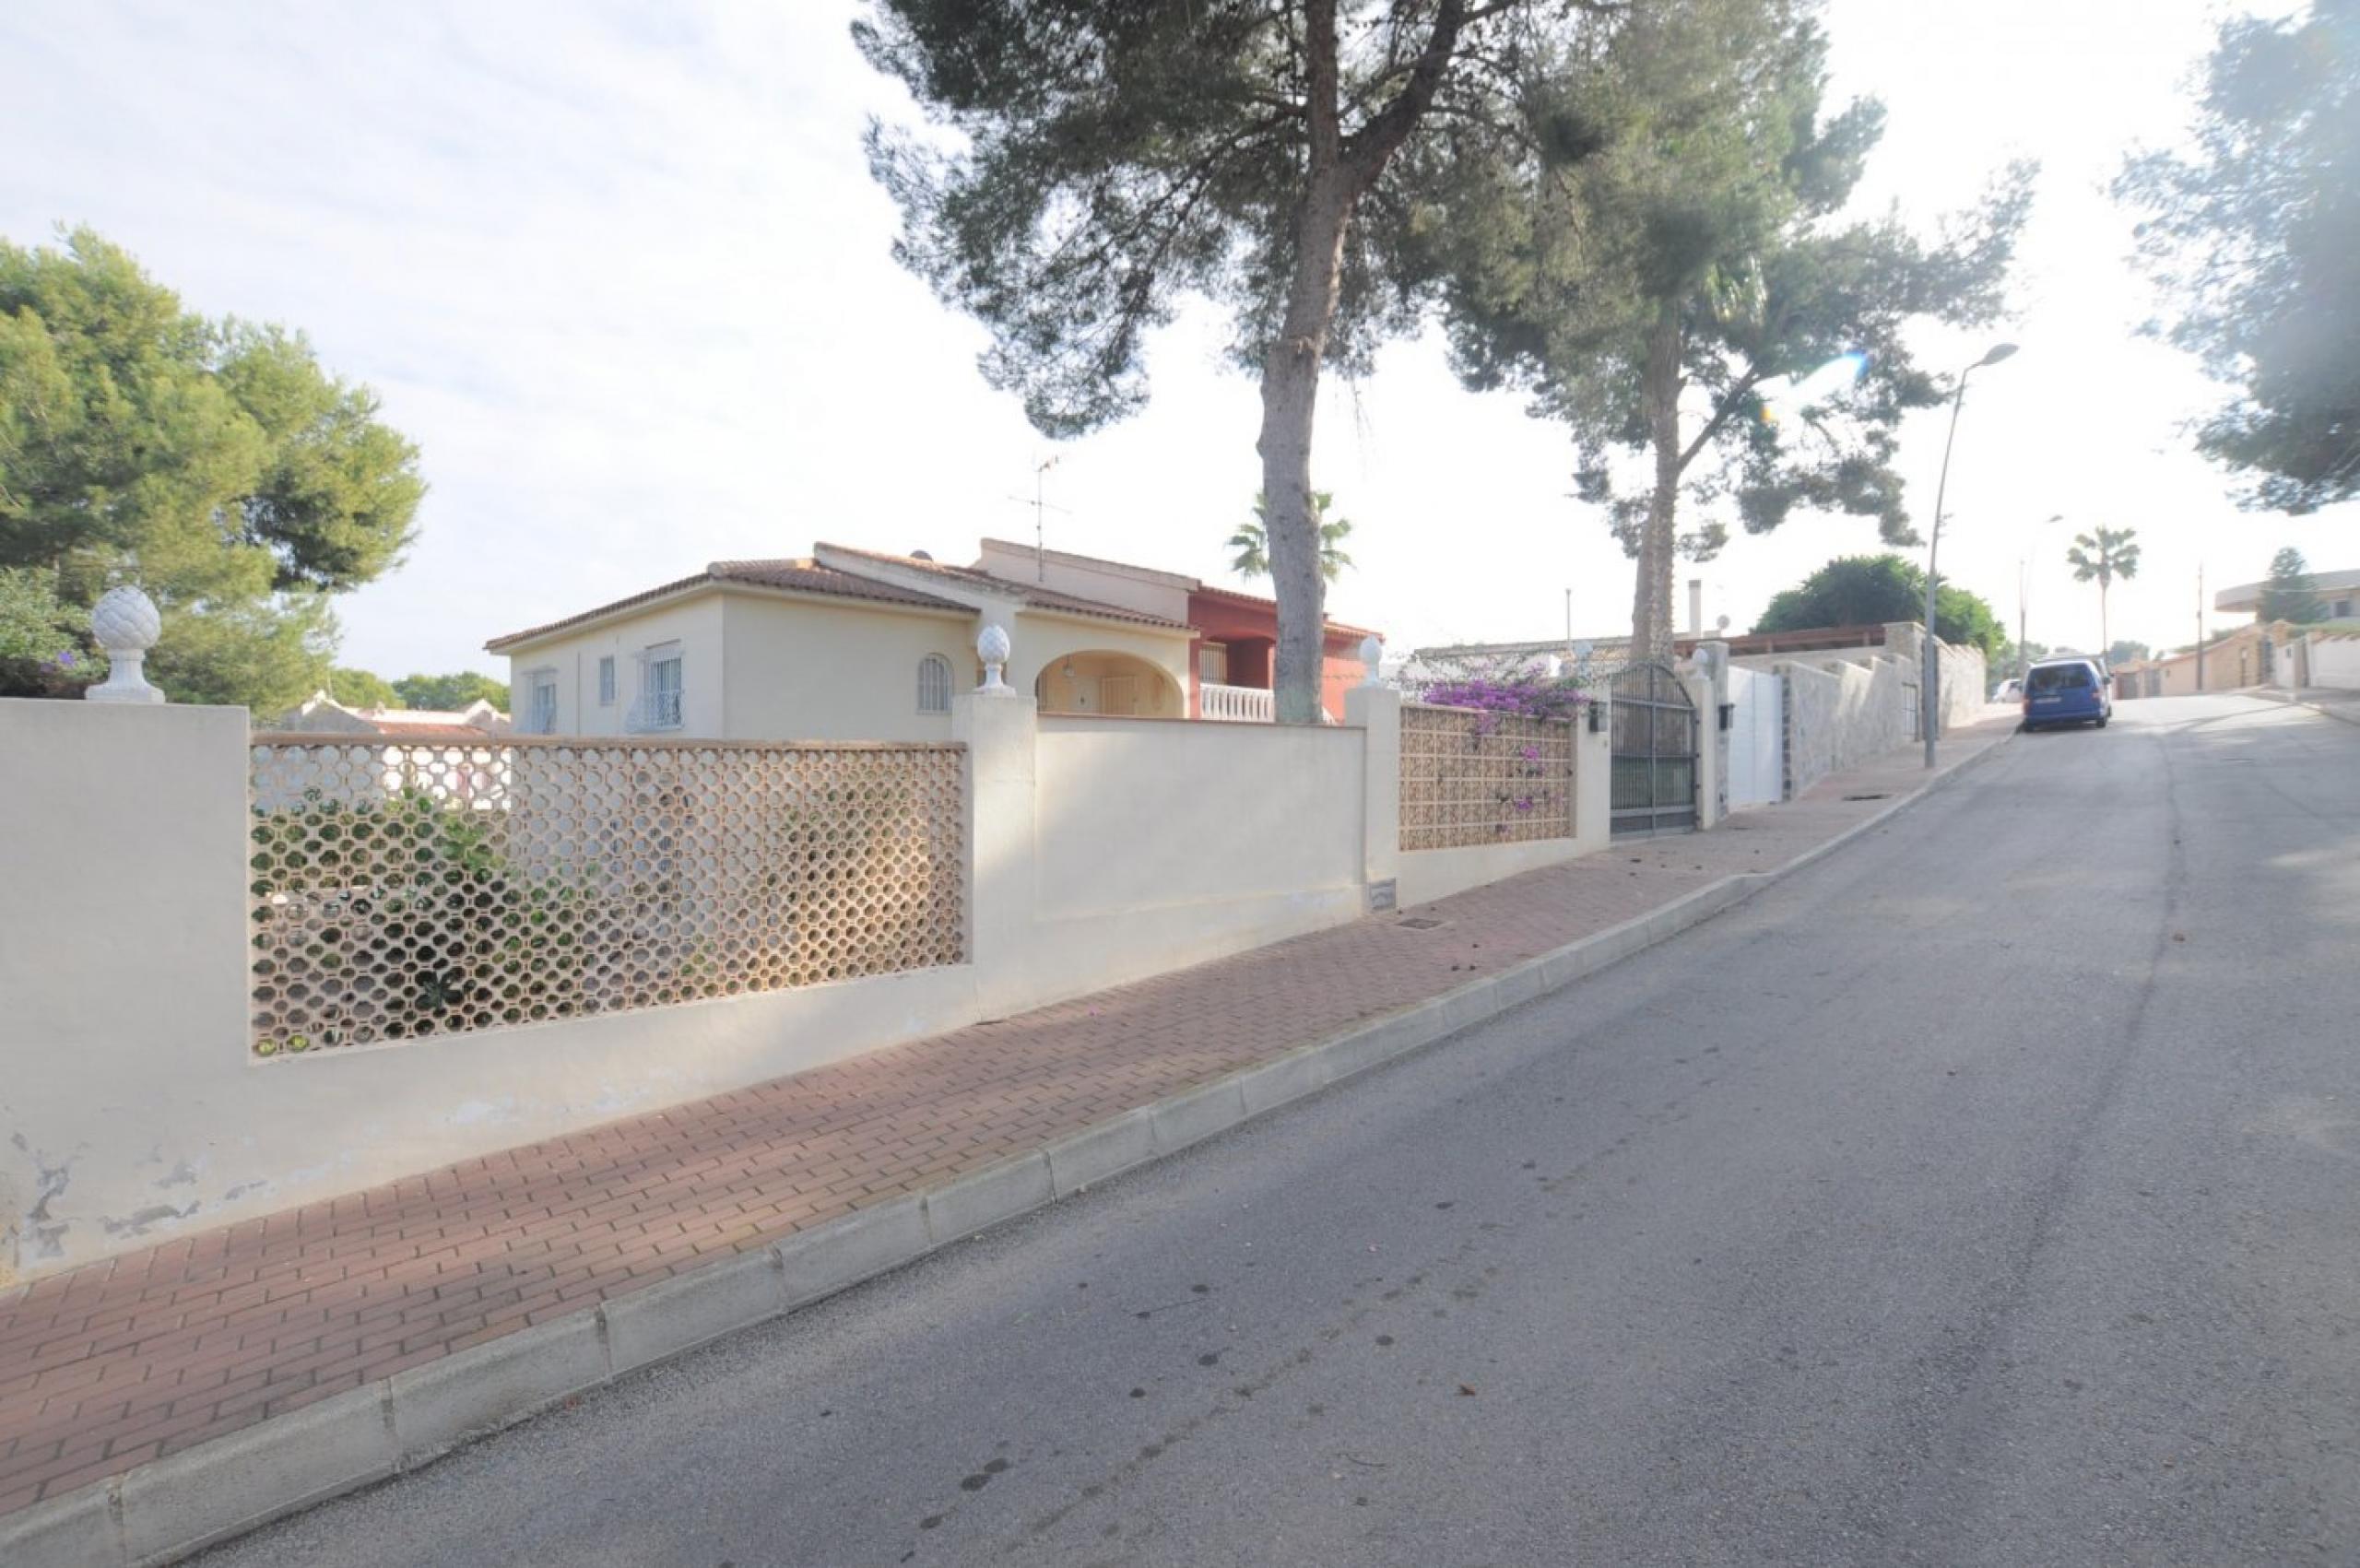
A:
[933,684]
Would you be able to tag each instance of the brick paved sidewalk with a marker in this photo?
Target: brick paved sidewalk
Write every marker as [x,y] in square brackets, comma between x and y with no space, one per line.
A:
[112,1365]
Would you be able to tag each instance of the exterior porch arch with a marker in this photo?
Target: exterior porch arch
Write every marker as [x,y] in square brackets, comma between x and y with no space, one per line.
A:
[1100,681]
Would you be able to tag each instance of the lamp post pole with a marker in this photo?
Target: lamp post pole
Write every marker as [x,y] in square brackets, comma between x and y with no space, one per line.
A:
[1929,680]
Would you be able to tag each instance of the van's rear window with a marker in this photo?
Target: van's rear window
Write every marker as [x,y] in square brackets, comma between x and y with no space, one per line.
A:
[2061,678]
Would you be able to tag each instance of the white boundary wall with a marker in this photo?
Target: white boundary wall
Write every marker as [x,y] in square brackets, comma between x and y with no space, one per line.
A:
[132,1107]
[2334,661]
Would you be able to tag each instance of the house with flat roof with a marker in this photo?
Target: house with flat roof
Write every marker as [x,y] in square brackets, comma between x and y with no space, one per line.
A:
[2338,594]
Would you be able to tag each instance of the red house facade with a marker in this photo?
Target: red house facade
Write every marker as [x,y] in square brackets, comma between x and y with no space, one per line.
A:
[1237,648]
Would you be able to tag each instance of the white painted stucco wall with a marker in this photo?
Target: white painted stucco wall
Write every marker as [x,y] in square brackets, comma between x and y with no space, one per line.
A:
[2335,661]
[1145,813]
[694,623]
[760,665]
[807,669]
[131,1106]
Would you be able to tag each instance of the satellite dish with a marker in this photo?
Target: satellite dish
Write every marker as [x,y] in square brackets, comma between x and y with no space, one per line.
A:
[920,555]
[1723,623]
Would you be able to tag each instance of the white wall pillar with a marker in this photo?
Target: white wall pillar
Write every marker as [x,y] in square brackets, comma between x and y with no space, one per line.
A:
[1594,772]
[122,962]
[1378,710]
[1704,690]
[1713,661]
[1000,729]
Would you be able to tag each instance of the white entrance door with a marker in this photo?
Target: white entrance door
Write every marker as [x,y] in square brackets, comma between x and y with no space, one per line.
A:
[1757,760]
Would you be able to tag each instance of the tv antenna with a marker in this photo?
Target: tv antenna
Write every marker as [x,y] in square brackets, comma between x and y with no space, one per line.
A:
[1040,504]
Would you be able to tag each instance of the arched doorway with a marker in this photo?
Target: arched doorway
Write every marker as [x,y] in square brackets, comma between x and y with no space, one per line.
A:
[1117,685]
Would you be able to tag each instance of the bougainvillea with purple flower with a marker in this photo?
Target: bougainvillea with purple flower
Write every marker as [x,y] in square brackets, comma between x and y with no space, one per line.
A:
[1525,692]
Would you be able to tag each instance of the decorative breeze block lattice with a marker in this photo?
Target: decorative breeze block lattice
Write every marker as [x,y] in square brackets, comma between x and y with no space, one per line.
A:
[1471,777]
[402,889]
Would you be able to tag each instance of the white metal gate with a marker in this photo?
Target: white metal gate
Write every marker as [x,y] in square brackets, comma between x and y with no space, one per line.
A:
[1757,757]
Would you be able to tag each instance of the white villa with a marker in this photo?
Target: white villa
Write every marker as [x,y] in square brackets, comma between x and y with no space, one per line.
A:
[842,645]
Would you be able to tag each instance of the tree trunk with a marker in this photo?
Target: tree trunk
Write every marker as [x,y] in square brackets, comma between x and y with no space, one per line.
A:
[1651,623]
[1291,376]
[1289,394]
[1338,170]
[2105,644]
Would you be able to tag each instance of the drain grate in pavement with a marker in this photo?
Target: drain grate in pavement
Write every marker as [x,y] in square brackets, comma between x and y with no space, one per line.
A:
[1872,794]
[1420,922]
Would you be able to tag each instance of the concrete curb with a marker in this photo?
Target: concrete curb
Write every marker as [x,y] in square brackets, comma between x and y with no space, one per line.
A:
[180,1504]
[2288,699]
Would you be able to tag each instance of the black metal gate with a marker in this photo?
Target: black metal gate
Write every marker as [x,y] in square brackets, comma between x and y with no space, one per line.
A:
[1655,752]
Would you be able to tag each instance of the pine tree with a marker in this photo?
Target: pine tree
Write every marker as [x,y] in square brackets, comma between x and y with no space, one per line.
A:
[1291,159]
[2290,594]
[1684,296]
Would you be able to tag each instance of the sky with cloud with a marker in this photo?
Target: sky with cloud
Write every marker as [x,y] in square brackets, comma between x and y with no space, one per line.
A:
[620,271]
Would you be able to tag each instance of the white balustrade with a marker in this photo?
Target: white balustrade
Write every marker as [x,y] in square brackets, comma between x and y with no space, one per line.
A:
[1237,704]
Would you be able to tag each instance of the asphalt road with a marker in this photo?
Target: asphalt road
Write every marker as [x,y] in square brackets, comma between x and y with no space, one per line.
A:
[1988,1193]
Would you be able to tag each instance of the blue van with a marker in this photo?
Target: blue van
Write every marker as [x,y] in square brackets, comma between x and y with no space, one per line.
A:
[2067,691]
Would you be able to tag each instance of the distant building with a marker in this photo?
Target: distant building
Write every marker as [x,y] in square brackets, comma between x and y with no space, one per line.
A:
[323,714]
[2339,597]
[2245,656]
[1610,652]
[418,748]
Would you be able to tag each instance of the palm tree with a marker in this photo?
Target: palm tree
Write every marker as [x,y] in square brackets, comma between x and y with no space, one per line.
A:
[1251,540]
[2102,555]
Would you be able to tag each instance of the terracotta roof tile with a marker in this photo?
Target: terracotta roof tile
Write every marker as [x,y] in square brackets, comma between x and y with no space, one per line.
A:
[802,575]
[1258,602]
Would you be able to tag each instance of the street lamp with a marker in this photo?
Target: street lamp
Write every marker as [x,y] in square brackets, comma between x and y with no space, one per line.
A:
[1929,682]
[2024,659]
